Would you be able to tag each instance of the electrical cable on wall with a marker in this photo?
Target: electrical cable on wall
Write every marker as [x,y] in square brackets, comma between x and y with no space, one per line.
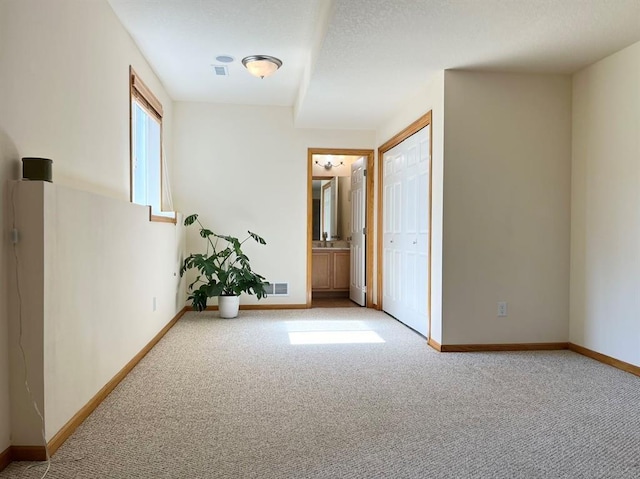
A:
[14,241]
[166,186]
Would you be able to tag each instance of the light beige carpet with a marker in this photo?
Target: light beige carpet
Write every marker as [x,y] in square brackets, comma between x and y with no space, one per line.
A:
[235,399]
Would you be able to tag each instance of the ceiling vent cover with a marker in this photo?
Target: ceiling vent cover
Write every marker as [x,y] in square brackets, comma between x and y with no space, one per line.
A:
[277,289]
[221,70]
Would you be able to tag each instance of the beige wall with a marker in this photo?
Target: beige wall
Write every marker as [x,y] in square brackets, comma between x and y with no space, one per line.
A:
[8,169]
[245,168]
[64,95]
[7,165]
[65,90]
[98,308]
[5,426]
[429,98]
[605,223]
[25,425]
[506,207]
[82,318]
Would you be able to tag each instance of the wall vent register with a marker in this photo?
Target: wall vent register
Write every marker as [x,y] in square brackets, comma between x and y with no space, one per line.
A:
[220,70]
[277,289]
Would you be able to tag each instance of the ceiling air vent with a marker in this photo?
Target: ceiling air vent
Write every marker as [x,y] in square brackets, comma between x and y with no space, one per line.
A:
[277,289]
[221,70]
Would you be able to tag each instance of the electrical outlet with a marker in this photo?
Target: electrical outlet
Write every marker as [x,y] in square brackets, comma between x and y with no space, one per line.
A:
[502,309]
[154,303]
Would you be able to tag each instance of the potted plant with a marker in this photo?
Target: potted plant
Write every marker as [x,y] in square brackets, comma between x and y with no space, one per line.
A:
[222,271]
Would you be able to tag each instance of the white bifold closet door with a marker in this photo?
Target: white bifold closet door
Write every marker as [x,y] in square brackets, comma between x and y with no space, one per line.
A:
[405,280]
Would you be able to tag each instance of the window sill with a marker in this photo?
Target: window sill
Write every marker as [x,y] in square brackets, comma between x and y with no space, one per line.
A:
[164,217]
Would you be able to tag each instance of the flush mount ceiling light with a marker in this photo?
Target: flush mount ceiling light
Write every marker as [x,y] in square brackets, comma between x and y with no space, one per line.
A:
[261,65]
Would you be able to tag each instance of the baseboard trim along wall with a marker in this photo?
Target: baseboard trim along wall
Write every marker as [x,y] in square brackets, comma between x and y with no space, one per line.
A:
[256,307]
[434,344]
[603,358]
[472,348]
[28,453]
[5,458]
[68,429]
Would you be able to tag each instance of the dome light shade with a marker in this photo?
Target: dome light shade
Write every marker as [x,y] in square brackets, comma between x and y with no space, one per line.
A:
[261,65]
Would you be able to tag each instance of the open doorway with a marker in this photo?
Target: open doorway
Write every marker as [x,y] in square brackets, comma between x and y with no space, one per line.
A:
[340,207]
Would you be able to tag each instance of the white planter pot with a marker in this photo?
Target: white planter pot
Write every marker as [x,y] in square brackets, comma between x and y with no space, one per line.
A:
[228,306]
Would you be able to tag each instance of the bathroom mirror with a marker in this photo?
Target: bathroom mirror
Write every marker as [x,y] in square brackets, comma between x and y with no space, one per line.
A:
[331,207]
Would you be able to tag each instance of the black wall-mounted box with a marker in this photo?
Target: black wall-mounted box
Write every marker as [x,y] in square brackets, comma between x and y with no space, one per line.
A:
[37,169]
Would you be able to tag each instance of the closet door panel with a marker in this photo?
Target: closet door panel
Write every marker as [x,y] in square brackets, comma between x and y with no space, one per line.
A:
[406,221]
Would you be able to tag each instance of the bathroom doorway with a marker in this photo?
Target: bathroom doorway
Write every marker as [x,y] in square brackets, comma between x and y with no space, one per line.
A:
[339,252]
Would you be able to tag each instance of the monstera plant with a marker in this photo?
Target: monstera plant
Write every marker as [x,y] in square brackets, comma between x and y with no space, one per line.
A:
[223,271]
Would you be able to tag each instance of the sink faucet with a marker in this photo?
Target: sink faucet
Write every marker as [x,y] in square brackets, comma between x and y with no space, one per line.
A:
[324,239]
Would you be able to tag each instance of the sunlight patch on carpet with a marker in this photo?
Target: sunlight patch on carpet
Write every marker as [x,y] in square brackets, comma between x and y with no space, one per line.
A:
[326,325]
[331,332]
[334,337]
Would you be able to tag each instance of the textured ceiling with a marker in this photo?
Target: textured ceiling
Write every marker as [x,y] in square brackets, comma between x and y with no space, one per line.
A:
[181,39]
[349,63]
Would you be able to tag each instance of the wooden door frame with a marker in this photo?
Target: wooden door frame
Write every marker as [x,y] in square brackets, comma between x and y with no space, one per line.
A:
[419,124]
[369,154]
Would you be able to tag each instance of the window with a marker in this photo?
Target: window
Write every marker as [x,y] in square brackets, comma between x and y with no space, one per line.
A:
[146,147]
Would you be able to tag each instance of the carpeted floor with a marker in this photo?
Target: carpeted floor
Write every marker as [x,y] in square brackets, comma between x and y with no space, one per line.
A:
[235,399]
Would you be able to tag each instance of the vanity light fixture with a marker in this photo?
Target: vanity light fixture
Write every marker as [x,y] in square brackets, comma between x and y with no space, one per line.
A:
[328,165]
[261,65]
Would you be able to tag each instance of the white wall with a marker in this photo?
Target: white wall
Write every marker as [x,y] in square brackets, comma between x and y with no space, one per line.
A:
[506,207]
[605,223]
[89,269]
[104,265]
[65,90]
[430,97]
[245,168]
[64,95]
